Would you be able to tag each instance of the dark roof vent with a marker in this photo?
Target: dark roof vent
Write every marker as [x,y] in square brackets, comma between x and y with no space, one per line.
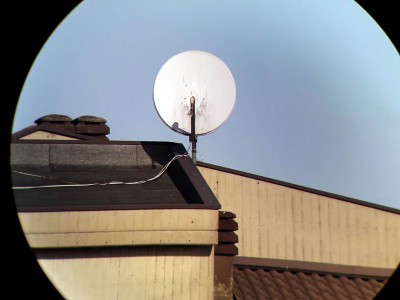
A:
[57,122]
[92,126]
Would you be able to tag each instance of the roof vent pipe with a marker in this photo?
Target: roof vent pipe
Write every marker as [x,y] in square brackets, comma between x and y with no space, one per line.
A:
[57,122]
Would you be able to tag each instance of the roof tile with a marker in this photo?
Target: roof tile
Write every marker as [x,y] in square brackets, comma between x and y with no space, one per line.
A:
[264,283]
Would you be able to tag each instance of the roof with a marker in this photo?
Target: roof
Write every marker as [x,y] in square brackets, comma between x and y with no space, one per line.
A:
[272,284]
[92,128]
[280,279]
[41,163]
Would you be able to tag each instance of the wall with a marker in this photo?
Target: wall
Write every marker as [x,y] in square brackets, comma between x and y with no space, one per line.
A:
[147,272]
[44,135]
[126,254]
[285,223]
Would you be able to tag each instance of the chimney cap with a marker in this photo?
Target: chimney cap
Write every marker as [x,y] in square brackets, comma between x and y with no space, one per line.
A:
[89,119]
[53,118]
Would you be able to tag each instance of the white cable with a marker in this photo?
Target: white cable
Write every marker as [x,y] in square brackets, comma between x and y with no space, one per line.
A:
[96,183]
[201,156]
[41,176]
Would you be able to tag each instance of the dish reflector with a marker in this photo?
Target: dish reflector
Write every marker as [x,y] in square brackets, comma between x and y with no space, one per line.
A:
[200,75]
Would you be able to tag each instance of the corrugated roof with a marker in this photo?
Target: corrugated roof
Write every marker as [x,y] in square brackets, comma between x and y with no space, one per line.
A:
[274,284]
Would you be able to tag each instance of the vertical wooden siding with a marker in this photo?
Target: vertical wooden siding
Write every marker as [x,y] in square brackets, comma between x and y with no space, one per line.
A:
[173,272]
[285,223]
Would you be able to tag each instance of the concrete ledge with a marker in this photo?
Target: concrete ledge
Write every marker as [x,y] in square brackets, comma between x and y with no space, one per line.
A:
[88,155]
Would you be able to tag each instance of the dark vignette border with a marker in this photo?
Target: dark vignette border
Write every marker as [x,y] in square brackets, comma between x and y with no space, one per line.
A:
[27,27]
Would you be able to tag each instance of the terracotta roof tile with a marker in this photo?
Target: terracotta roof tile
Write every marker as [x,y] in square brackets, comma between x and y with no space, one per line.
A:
[273,284]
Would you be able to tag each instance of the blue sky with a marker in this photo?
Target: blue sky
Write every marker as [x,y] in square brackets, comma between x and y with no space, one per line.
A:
[317,85]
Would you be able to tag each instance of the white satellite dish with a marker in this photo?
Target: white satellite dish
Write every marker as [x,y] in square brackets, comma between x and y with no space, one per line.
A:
[199,82]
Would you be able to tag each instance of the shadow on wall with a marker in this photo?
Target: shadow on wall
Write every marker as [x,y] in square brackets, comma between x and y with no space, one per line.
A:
[180,171]
[120,251]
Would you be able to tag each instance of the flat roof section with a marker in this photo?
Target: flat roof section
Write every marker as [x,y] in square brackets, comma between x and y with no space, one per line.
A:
[69,167]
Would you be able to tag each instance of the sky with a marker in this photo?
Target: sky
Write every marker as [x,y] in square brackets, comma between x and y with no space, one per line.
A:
[317,85]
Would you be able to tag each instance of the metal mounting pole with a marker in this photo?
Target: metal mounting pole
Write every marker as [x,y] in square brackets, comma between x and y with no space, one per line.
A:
[192,137]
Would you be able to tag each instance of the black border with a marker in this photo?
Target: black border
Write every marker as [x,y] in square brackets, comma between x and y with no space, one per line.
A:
[27,26]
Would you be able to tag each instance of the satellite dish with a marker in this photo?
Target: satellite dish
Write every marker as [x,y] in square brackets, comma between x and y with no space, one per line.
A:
[194,94]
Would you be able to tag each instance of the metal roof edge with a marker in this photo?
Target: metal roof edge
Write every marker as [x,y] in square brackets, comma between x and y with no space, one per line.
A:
[156,206]
[301,188]
[313,267]
[92,141]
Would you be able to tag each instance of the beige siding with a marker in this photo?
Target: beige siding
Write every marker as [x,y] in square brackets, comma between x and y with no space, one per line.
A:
[282,222]
[126,254]
[44,135]
[125,227]
[133,273]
